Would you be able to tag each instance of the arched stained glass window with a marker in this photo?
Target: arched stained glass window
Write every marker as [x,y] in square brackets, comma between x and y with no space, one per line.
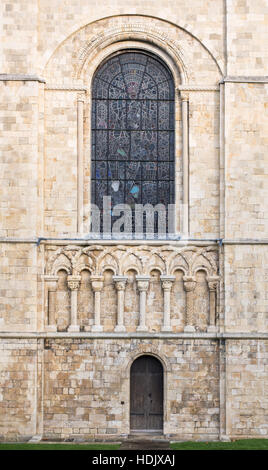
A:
[133,131]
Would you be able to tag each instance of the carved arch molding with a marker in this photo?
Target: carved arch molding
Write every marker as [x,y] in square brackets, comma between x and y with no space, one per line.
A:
[121,258]
[85,49]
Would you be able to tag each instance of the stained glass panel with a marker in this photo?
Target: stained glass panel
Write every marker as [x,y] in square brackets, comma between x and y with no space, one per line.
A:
[133,131]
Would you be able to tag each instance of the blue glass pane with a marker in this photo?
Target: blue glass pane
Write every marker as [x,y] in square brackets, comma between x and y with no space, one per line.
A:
[101,114]
[149,114]
[148,88]
[144,145]
[119,145]
[164,192]
[163,145]
[100,171]
[109,70]
[100,89]
[149,171]
[133,192]
[100,191]
[163,114]
[163,170]
[117,114]
[101,145]
[116,170]
[134,115]
[157,70]
[164,91]
[149,192]
[116,189]
[133,171]
[116,93]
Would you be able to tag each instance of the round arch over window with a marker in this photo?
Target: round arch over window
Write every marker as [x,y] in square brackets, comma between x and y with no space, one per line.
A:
[133,133]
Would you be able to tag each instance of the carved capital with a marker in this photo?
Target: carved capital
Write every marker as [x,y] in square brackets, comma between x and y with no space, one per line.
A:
[73,282]
[184,96]
[189,283]
[73,285]
[143,283]
[97,283]
[143,286]
[97,286]
[213,285]
[120,285]
[81,97]
[213,282]
[167,285]
[51,281]
[120,282]
[167,282]
[49,278]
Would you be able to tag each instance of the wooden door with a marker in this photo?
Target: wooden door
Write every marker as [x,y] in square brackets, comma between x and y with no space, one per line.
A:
[146,394]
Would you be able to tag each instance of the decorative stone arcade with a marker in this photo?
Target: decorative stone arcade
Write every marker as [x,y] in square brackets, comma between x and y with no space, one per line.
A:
[167,260]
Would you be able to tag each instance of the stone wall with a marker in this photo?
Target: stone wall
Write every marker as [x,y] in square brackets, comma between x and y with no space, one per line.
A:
[18,389]
[19,179]
[18,287]
[87,387]
[246,278]
[246,36]
[246,379]
[204,166]
[246,127]
[60,201]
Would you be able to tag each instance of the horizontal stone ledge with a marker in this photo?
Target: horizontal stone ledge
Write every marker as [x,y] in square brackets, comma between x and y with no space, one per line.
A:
[91,241]
[54,87]
[9,77]
[89,335]
[196,88]
[120,241]
[243,335]
[245,79]
[73,87]
[18,240]
[263,241]
[175,242]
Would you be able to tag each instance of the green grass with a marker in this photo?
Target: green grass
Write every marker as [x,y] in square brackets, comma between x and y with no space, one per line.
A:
[59,446]
[243,444]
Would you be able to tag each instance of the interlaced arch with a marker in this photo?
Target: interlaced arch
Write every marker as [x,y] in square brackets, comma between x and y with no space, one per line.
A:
[133,131]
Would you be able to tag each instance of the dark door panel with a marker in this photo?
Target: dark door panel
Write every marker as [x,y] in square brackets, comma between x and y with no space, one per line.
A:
[146,394]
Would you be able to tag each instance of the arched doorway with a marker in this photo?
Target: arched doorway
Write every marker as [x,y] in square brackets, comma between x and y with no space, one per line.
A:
[146,394]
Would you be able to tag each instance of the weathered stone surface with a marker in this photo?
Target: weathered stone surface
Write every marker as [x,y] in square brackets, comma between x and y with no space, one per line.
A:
[86,382]
[17,389]
[247,384]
